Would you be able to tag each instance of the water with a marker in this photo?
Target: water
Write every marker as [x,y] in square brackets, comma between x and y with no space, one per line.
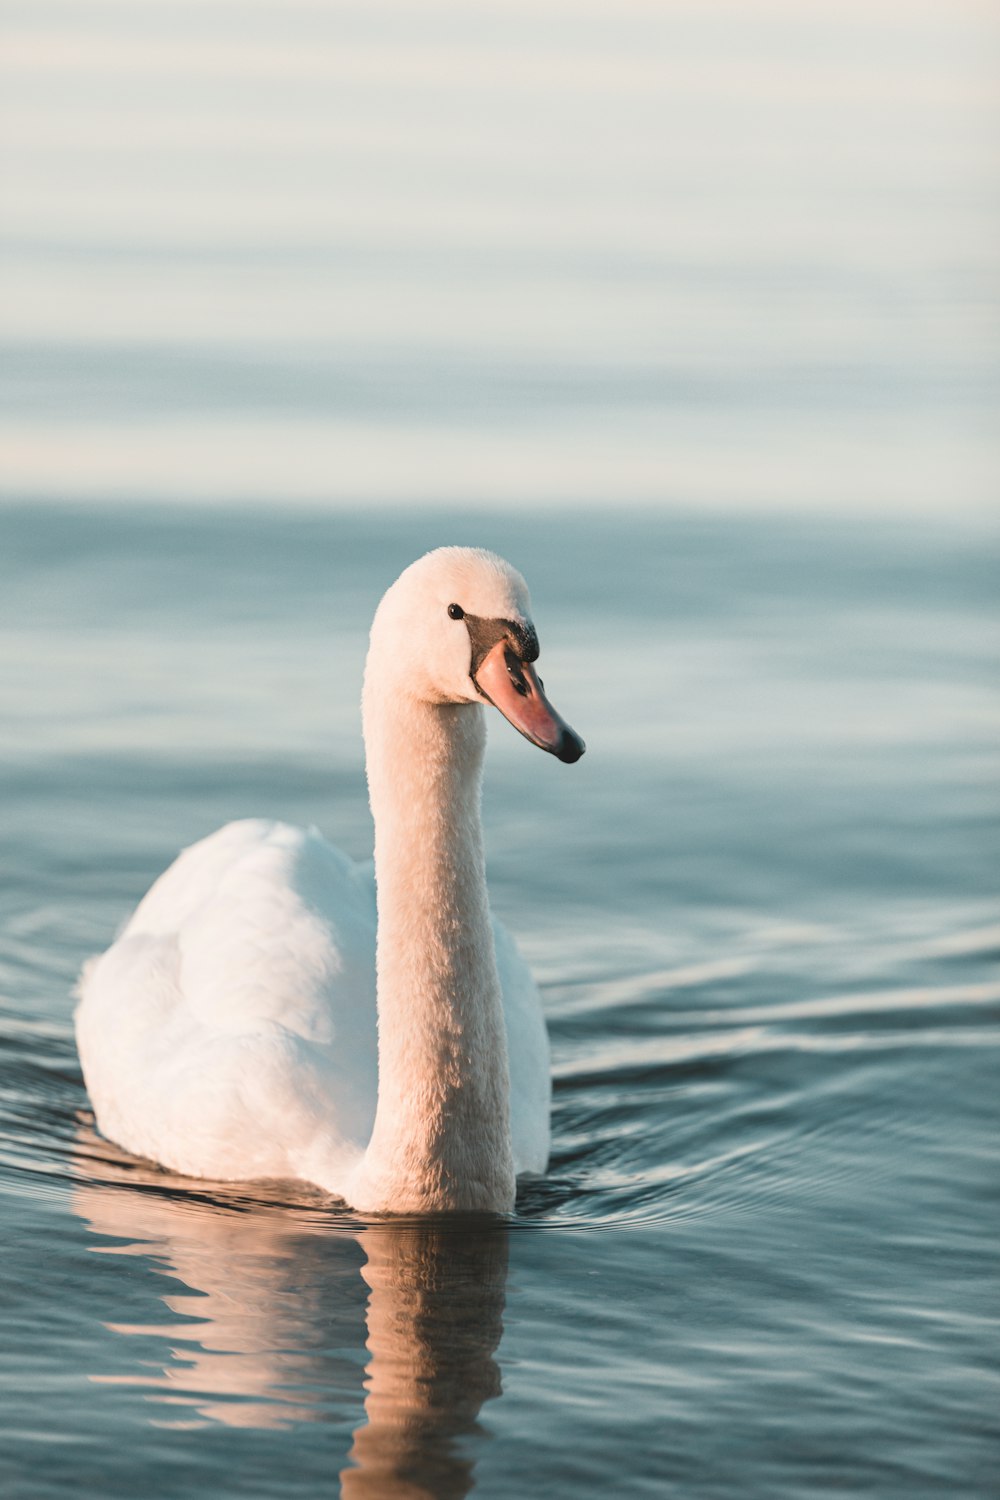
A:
[413,250]
[762,912]
[690,310]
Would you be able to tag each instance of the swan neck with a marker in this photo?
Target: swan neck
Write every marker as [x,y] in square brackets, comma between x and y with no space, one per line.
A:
[441,1138]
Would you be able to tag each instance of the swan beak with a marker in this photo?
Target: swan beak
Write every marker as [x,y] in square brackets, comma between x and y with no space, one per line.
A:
[512,686]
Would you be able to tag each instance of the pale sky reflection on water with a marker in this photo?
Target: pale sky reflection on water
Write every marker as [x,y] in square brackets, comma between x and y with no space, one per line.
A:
[702,255]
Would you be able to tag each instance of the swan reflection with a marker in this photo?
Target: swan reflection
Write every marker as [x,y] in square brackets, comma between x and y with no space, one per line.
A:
[434,1319]
[278,1314]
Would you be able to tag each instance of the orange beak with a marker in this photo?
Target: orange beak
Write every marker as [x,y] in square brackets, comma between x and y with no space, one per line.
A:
[512,686]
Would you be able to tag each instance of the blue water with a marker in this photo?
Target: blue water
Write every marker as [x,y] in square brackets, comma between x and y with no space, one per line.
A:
[762,911]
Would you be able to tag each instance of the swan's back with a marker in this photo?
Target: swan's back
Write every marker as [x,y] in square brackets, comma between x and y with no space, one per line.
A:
[230,1031]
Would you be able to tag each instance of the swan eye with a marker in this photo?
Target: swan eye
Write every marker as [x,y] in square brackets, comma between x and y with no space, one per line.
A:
[456,611]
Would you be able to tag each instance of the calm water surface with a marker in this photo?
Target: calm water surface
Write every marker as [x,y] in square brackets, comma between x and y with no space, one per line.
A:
[735,255]
[762,912]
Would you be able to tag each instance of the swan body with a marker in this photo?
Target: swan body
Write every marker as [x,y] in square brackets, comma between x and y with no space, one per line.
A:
[273,1009]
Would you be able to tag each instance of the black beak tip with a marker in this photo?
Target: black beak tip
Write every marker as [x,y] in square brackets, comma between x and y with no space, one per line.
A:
[571,747]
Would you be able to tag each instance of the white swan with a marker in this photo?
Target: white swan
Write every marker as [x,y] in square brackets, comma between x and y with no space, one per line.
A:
[230,1032]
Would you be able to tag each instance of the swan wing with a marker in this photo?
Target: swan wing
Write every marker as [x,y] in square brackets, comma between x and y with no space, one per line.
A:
[230,1030]
[528,1052]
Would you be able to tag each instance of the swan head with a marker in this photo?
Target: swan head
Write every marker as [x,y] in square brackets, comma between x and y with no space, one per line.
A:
[456,627]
